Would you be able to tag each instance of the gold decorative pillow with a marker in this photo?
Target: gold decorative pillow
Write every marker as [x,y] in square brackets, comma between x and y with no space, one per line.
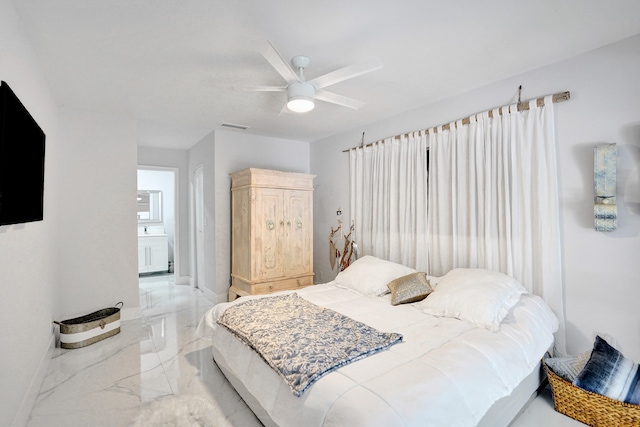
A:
[410,288]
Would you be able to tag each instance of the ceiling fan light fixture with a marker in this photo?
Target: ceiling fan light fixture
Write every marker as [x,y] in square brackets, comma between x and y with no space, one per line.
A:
[300,97]
[300,105]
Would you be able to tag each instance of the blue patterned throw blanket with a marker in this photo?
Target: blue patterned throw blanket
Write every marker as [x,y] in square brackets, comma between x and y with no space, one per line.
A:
[300,340]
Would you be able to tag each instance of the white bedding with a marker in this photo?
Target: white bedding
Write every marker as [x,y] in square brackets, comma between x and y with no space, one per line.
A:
[446,372]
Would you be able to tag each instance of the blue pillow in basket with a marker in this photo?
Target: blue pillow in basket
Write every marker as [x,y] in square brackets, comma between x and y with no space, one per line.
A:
[610,374]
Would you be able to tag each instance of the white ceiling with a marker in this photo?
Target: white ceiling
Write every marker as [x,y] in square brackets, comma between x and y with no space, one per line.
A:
[181,67]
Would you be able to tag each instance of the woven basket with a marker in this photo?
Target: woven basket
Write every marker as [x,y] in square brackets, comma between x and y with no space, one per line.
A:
[590,408]
[86,330]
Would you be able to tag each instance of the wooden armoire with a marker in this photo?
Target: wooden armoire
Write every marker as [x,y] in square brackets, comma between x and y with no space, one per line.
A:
[271,231]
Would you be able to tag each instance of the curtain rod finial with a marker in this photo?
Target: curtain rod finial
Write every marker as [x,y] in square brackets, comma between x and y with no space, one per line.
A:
[519,94]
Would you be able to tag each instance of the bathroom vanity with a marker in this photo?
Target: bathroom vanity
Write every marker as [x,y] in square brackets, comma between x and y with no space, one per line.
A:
[153,255]
[153,245]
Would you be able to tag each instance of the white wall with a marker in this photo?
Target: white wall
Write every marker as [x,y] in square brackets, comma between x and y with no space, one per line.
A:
[235,151]
[202,155]
[176,159]
[97,246]
[221,153]
[601,269]
[82,256]
[28,265]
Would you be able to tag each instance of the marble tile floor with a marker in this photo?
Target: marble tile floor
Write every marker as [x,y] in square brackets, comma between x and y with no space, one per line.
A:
[109,383]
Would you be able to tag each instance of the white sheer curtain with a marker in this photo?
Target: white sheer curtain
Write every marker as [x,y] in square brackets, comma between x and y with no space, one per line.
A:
[388,188]
[493,197]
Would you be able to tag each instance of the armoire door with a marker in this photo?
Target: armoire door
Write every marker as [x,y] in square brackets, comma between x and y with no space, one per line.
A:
[268,232]
[298,229]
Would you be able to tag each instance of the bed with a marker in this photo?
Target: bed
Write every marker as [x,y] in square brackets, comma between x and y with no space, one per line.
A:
[469,352]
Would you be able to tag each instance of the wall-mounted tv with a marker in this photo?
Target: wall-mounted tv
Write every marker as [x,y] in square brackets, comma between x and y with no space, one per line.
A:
[21,162]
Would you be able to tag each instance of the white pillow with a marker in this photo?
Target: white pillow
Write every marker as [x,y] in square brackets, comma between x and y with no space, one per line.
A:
[478,296]
[369,275]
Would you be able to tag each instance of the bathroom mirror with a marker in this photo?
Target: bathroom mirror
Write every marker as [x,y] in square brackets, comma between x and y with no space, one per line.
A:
[149,206]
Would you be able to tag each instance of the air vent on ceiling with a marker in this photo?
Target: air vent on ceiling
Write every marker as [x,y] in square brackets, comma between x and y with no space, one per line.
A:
[233,126]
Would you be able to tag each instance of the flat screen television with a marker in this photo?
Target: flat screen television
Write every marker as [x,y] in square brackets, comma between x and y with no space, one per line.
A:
[22,144]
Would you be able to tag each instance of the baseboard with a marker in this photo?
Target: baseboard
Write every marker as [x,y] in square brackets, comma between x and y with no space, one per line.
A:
[209,295]
[184,280]
[28,401]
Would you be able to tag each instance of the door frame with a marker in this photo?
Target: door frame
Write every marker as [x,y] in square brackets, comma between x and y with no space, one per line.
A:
[198,258]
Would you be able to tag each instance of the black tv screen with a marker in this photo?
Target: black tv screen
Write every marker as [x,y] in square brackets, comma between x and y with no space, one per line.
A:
[21,162]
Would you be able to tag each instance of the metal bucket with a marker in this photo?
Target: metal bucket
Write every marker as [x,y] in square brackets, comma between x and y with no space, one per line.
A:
[89,329]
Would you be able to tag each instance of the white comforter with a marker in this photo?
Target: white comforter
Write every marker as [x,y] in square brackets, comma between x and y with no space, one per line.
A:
[446,372]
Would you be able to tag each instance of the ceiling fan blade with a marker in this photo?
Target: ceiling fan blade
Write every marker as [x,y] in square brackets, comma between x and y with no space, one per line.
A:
[266,88]
[346,73]
[284,110]
[334,98]
[276,60]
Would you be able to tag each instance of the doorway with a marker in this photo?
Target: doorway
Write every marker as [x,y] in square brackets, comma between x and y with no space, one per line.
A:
[162,181]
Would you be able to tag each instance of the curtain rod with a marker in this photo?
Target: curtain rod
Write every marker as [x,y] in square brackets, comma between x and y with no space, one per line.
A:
[522,106]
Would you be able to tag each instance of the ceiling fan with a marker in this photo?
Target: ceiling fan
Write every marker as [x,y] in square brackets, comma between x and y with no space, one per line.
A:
[301,94]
